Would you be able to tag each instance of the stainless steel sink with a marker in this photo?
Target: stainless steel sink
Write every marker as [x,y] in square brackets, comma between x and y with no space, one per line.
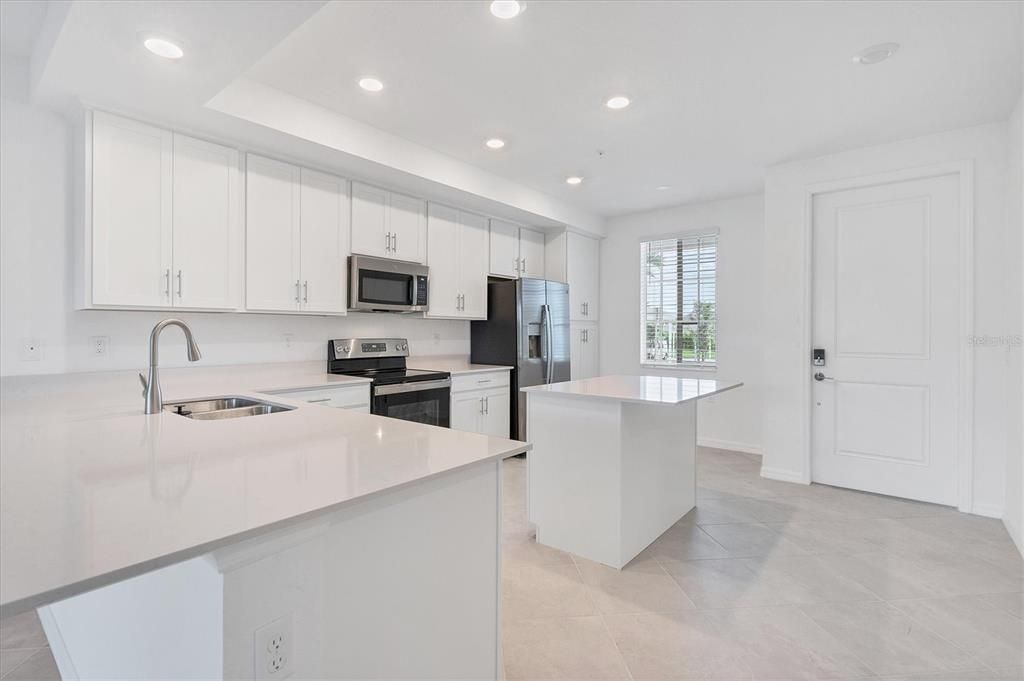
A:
[216,408]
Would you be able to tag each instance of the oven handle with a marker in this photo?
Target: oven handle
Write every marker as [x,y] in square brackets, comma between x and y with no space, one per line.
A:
[415,386]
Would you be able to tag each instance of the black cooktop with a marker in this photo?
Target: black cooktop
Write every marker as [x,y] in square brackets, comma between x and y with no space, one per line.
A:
[397,375]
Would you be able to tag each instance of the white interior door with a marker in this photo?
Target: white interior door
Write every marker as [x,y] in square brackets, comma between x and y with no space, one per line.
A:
[886,311]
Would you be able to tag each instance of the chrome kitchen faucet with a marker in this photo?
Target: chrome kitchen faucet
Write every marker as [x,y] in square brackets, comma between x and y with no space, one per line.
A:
[151,383]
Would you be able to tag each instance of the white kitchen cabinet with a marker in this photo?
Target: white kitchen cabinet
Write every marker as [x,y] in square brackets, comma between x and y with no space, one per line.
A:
[515,251]
[582,266]
[163,226]
[207,226]
[388,225]
[481,403]
[271,235]
[352,397]
[323,242]
[456,254]
[583,352]
[296,238]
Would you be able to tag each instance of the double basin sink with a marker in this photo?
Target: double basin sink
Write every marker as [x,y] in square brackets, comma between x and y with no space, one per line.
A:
[217,408]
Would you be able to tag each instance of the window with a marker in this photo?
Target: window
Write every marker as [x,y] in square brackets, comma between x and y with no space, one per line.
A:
[678,312]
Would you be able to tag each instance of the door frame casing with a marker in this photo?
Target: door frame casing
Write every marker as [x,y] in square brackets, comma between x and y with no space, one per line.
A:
[964,170]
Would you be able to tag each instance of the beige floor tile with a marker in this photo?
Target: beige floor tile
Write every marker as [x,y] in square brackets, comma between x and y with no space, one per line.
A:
[1012,603]
[982,675]
[827,536]
[888,641]
[22,631]
[39,667]
[992,635]
[577,649]
[886,575]
[641,586]
[524,550]
[685,542]
[729,583]
[9,659]
[675,646]
[537,591]
[751,540]
[811,580]
[968,527]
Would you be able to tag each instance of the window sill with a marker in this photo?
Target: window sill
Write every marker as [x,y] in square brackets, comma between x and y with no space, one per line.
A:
[705,368]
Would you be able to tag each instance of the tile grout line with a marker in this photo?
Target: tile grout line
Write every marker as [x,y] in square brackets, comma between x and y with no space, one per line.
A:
[600,615]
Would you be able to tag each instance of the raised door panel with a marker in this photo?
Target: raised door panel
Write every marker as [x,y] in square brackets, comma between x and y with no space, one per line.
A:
[504,249]
[467,410]
[207,228]
[272,235]
[324,215]
[497,413]
[583,262]
[131,213]
[473,246]
[370,234]
[531,253]
[443,295]
[407,221]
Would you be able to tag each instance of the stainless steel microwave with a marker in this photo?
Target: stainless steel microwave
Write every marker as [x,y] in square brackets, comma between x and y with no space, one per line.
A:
[379,285]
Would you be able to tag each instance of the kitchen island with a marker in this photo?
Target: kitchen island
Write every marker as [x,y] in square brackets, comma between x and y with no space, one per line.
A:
[614,461]
[165,547]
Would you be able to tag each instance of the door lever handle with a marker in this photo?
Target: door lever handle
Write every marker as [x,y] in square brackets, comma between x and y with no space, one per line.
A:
[818,376]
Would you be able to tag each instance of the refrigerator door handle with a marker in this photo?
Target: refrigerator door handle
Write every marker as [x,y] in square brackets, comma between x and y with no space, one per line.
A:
[545,322]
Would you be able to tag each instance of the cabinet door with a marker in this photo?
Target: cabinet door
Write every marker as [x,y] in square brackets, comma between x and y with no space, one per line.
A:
[497,413]
[473,265]
[207,229]
[467,411]
[583,262]
[407,221]
[271,235]
[323,236]
[589,355]
[575,351]
[531,253]
[131,213]
[504,249]
[370,235]
[443,259]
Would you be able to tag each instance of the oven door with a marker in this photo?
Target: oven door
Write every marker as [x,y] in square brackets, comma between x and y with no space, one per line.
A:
[420,401]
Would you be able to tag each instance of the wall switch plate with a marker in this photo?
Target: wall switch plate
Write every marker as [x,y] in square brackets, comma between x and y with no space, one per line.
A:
[31,350]
[99,344]
[272,649]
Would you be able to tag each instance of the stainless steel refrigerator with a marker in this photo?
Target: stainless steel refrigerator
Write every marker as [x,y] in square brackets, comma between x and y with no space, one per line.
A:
[527,327]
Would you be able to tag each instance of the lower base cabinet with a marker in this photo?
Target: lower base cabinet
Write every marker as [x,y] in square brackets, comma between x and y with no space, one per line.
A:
[356,397]
[482,403]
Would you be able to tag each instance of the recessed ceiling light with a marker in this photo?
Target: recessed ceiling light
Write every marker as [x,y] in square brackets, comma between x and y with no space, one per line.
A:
[507,9]
[371,84]
[574,180]
[876,53]
[495,143]
[162,47]
[617,102]
[663,187]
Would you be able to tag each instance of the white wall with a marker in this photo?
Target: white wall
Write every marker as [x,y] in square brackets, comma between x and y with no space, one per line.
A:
[36,275]
[997,292]
[731,420]
[1013,513]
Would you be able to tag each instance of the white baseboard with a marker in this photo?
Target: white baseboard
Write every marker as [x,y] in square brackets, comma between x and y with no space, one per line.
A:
[783,475]
[731,445]
[987,511]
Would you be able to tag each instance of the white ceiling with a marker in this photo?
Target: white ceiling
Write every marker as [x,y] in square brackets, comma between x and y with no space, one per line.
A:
[20,21]
[720,89]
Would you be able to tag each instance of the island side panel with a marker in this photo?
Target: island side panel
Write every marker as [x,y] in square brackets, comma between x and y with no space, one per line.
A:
[574,474]
[659,483]
[405,585]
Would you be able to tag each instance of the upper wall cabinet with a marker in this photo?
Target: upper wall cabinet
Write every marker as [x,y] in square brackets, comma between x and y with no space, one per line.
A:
[575,259]
[457,256]
[516,251]
[162,219]
[388,225]
[296,238]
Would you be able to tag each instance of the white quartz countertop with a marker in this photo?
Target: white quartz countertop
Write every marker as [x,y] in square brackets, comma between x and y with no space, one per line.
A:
[456,365]
[645,389]
[92,491]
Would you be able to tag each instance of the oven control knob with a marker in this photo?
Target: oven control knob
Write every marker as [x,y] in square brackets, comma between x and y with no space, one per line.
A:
[347,348]
[403,346]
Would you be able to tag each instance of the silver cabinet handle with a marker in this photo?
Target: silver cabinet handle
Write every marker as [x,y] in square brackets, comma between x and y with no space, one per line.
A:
[394,242]
[167,282]
[487,405]
[305,291]
[179,283]
[298,287]
[322,399]
[387,242]
[484,380]
[481,405]
[524,265]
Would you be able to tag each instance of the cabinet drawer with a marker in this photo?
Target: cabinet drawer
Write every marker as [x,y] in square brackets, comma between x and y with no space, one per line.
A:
[346,397]
[491,379]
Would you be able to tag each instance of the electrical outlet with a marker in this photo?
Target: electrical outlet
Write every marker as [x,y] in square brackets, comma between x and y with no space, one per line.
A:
[272,649]
[99,344]
[31,350]
[288,337]
[437,339]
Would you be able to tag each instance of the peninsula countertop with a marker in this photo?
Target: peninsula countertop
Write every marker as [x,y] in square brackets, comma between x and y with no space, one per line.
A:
[92,491]
[641,389]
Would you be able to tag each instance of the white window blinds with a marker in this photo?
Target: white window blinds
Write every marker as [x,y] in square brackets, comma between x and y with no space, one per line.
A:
[678,311]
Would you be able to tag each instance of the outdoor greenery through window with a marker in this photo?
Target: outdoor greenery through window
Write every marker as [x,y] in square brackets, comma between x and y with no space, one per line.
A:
[677,301]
